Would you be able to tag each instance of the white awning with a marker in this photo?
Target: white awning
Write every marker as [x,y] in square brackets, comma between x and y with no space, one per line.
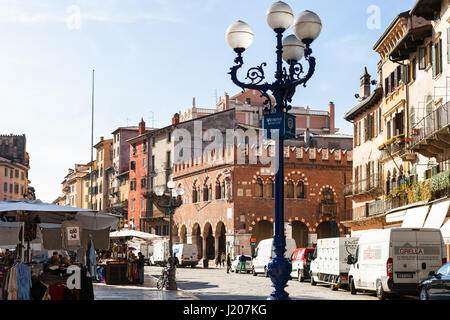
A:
[396,216]
[445,230]
[437,215]
[415,217]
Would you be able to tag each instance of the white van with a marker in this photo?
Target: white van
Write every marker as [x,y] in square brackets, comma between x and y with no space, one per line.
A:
[264,253]
[395,260]
[329,263]
[160,253]
[187,254]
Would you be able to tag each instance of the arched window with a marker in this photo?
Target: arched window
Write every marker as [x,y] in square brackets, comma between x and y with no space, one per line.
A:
[388,183]
[205,192]
[228,190]
[290,190]
[259,188]
[327,196]
[194,194]
[269,189]
[300,190]
[218,190]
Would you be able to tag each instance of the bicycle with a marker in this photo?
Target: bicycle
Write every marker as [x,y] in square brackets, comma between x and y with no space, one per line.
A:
[163,279]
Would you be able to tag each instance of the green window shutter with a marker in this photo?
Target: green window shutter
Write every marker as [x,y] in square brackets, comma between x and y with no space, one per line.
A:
[433,59]
[448,45]
[440,56]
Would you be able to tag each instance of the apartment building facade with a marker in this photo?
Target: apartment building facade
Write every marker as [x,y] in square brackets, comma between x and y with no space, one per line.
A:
[150,167]
[104,162]
[414,76]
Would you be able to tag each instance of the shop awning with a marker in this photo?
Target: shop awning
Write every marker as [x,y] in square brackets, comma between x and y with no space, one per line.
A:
[396,216]
[126,233]
[437,215]
[55,214]
[415,217]
[445,230]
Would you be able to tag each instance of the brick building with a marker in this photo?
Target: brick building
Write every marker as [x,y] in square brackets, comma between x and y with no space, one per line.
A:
[249,106]
[14,167]
[226,204]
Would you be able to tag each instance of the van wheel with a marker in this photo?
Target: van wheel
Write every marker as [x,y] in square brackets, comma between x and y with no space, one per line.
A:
[424,294]
[265,272]
[301,278]
[381,295]
[351,285]
[313,283]
[254,272]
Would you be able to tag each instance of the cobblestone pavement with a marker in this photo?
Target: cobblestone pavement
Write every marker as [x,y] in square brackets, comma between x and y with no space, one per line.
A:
[147,291]
[216,284]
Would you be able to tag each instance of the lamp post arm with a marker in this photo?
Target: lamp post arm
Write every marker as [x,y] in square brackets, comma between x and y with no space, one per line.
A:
[256,75]
[312,68]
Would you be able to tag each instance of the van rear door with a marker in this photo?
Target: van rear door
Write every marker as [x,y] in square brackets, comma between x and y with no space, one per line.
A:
[404,242]
[430,257]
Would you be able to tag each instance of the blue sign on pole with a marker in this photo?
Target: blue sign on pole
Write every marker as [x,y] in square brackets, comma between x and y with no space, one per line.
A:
[282,121]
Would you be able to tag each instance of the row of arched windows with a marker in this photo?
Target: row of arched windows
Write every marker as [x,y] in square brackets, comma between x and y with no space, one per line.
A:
[292,191]
[205,192]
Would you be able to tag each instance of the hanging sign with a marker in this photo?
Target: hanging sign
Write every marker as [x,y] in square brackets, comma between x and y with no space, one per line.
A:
[282,121]
[73,233]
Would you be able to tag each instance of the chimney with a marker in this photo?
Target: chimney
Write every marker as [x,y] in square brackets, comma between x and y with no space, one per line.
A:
[331,112]
[141,126]
[176,118]
[227,101]
[193,103]
[365,85]
[307,138]
[101,139]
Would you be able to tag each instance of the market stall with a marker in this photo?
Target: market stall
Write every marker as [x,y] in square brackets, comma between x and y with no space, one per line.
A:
[49,240]
[120,264]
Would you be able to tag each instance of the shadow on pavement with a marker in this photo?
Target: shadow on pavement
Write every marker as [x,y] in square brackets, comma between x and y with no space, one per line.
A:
[192,285]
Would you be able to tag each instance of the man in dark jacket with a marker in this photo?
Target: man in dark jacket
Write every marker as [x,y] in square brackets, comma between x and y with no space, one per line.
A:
[140,267]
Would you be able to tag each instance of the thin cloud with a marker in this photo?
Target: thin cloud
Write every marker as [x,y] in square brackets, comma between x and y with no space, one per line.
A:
[17,15]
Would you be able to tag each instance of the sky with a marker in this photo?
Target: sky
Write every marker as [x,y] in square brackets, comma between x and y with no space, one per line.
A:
[151,57]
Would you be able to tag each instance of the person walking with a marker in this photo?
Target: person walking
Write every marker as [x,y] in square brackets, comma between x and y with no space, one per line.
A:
[218,260]
[140,267]
[223,259]
[228,263]
[242,266]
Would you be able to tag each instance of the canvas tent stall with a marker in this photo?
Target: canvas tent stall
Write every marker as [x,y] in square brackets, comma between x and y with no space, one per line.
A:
[52,227]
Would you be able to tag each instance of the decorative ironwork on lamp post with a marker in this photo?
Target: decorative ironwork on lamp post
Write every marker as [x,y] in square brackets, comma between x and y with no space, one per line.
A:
[168,202]
[291,49]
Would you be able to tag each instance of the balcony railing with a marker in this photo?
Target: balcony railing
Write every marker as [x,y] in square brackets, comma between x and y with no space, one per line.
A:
[374,184]
[328,210]
[431,124]
[394,147]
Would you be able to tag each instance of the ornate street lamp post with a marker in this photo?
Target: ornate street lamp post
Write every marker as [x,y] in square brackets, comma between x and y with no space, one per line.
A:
[168,202]
[291,49]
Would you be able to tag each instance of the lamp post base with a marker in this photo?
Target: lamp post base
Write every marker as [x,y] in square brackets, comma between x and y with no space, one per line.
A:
[171,282]
[279,271]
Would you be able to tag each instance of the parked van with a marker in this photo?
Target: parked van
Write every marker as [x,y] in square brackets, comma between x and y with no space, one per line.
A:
[329,263]
[187,254]
[301,262]
[160,253]
[147,251]
[395,260]
[264,253]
